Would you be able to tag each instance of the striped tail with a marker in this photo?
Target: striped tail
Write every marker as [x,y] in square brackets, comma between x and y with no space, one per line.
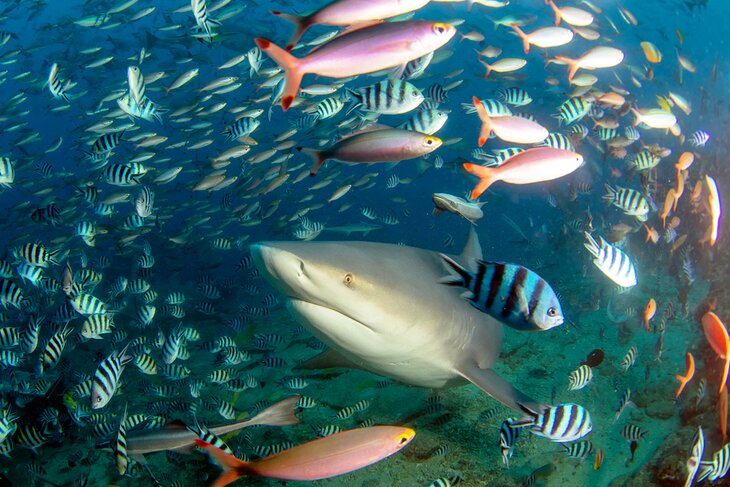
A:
[463,277]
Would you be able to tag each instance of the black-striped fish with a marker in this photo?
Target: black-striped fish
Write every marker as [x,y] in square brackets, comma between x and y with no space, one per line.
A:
[695,456]
[107,142]
[202,432]
[54,348]
[329,107]
[37,255]
[387,97]
[242,127]
[632,202]
[561,423]
[120,446]
[171,347]
[86,304]
[107,376]
[699,138]
[514,96]
[427,121]
[414,69]
[7,172]
[645,160]
[580,378]
[205,23]
[436,93]
[445,481]
[557,141]
[718,467]
[573,110]
[612,261]
[628,361]
[510,293]
[579,450]
[120,175]
[623,404]
[508,435]
[631,432]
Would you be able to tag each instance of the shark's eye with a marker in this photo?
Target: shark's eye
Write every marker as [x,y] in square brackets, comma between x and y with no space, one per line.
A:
[348,279]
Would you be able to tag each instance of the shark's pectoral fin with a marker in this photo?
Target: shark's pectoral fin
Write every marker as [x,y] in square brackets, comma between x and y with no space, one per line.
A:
[139,458]
[327,360]
[491,383]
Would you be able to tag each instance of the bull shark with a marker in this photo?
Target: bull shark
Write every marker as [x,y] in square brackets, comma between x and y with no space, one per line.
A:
[380,307]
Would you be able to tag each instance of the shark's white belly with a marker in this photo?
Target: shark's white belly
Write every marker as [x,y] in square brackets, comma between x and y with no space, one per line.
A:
[413,359]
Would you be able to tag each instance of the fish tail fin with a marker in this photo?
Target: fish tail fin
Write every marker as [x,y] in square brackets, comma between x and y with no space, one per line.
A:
[488,66]
[486,177]
[317,156]
[291,66]
[682,382]
[525,40]
[610,195]
[233,468]
[280,414]
[572,65]
[462,278]
[301,24]
[705,471]
[486,128]
[727,364]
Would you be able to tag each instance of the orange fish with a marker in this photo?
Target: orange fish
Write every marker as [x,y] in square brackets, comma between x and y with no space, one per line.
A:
[651,234]
[684,380]
[685,160]
[679,189]
[722,409]
[668,202]
[717,337]
[599,459]
[649,313]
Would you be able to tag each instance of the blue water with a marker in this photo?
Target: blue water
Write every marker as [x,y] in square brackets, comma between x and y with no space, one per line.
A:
[538,226]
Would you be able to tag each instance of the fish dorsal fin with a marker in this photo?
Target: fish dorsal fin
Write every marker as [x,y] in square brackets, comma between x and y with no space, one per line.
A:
[349,30]
[176,425]
[472,251]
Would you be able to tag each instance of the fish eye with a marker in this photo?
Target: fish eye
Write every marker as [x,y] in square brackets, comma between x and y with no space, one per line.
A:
[439,28]
[552,312]
[348,279]
[429,141]
[415,93]
[403,439]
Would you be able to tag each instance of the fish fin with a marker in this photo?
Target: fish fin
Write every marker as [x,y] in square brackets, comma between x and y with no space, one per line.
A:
[233,468]
[486,128]
[397,72]
[488,381]
[139,458]
[462,278]
[727,363]
[280,414]
[291,66]
[472,252]
[706,469]
[437,212]
[328,359]
[301,24]
[486,177]
[523,36]
[317,156]
[572,65]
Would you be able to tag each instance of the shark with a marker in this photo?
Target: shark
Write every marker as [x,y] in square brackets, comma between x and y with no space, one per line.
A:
[380,307]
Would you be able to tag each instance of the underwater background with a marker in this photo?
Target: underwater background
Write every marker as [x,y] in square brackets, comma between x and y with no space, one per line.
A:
[167,210]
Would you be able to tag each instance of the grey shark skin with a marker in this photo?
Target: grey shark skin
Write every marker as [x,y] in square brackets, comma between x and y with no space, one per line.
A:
[381,307]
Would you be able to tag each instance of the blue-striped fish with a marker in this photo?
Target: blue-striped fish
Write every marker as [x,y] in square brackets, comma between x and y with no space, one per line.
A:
[510,293]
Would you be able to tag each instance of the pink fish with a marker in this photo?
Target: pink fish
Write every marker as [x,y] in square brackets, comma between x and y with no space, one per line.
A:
[342,13]
[598,57]
[361,51]
[322,458]
[508,128]
[530,166]
[380,145]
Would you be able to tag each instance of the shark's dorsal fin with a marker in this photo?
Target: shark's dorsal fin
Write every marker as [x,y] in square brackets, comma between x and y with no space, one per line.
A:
[329,359]
[472,251]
